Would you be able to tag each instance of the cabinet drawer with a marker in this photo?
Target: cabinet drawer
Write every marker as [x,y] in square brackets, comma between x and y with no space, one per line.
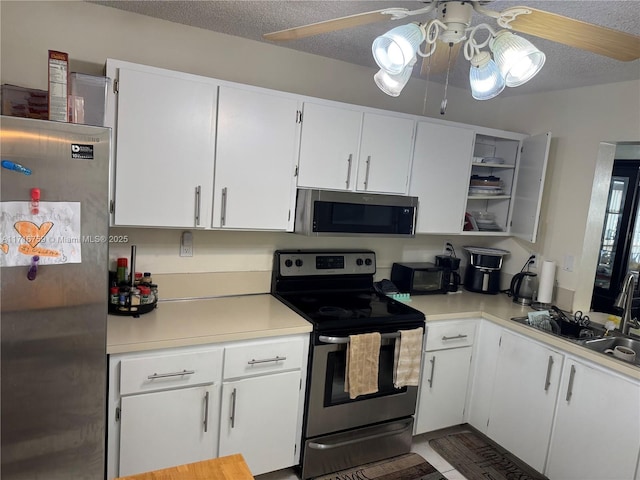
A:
[450,335]
[262,357]
[159,372]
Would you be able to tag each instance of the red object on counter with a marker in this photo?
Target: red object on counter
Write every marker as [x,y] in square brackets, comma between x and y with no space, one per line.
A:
[35,201]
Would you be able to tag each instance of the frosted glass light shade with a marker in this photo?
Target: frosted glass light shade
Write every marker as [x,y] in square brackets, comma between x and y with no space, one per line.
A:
[484,77]
[394,50]
[518,59]
[392,85]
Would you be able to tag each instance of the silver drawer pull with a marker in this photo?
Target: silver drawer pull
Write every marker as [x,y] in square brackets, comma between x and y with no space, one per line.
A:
[173,374]
[266,360]
[457,337]
[547,381]
[433,367]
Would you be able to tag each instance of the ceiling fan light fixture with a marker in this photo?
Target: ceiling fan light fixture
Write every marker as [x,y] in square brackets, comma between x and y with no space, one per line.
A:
[394,50]
[484,77]
[518,59]
[392,85]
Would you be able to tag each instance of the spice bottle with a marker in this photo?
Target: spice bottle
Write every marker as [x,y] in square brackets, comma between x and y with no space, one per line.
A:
[114,296]
[122,272]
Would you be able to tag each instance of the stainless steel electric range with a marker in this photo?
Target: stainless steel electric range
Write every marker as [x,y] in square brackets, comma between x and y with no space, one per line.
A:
[334,290]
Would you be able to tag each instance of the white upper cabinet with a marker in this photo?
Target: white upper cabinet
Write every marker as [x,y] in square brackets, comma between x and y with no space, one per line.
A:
[505,186]
[440,176]
[255,159]
[529,186]
[385,154]
[164,144]
[343,148]
[329,147]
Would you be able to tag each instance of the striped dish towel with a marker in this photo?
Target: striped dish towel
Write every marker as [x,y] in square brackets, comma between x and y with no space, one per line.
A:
[363,354]
[407,358]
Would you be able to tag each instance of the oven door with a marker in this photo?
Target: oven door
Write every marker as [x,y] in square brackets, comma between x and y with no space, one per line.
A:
[329,407]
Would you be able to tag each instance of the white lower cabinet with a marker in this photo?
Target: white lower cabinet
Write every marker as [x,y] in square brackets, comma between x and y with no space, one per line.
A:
[170,407]
[569,419]
[259,418]
[597,428]
[163,429]
[445,375]
[525,390]
[262,399]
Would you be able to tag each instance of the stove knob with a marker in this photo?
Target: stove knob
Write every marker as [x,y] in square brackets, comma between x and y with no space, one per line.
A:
[298,263]
[288,263]
[359,262]
[368,262]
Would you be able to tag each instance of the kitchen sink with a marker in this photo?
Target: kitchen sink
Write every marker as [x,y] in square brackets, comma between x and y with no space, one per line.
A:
[561,327]
[602,345]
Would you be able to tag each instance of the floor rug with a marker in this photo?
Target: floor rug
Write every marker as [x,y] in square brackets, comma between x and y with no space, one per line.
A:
[478,458]
[410,466]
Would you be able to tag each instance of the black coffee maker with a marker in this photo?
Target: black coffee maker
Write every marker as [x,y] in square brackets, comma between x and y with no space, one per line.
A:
[451,263]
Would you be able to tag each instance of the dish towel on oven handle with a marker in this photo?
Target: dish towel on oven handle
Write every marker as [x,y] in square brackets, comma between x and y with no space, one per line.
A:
[363,354]
[407,358]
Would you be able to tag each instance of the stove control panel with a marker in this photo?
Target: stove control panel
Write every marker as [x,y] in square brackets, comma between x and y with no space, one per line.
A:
[296,263]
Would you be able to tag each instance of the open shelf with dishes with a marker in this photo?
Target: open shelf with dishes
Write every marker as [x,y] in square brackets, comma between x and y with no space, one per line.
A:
[492,177]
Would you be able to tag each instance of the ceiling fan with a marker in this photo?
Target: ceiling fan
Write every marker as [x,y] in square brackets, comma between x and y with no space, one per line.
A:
[450,31]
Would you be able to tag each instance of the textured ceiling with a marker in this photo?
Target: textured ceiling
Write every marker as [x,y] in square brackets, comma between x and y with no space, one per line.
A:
[565,66]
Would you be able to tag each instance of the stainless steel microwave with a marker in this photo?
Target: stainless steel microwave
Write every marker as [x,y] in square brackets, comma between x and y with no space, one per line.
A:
[324,212]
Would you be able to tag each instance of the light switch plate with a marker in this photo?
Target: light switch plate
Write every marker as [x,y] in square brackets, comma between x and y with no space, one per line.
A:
[186,244]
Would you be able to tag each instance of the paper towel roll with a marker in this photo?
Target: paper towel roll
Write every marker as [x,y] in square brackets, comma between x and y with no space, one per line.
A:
[547,280]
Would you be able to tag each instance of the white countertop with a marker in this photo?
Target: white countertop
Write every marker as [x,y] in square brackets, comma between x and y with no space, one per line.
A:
[195,322]
[243,317]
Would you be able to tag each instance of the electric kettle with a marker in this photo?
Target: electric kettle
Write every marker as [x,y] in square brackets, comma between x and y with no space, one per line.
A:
[523,287]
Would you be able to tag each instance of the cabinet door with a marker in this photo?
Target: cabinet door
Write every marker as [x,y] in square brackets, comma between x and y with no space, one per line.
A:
[440,176]
[443,389]
[168,428]
[329,147]
[255,159]
[485,359]
[597,429]
[385,154]
[529,187]
[258,420]
[164,149]
[525,391]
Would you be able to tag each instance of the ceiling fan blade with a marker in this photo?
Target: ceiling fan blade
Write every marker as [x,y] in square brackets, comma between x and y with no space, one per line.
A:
[440,58]
[576,33]
[329,25]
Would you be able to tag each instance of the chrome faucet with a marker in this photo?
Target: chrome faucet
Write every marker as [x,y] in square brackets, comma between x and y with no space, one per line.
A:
[624,302]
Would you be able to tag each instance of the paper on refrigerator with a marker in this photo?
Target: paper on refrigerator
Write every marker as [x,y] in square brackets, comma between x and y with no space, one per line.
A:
[53,234]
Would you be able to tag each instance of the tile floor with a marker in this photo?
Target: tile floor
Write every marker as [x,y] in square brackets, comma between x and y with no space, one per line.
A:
[420,446]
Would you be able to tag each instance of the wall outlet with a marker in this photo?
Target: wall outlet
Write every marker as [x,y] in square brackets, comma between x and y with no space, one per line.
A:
[186,244]
[447,247]
[534,260]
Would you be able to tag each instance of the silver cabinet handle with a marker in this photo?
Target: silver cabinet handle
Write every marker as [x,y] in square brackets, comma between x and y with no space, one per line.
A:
[206,411]
[233,408]
[570,387]
[457,337]
[277,358]
[433,368]
[366,174]
[349,169]
[198,197]
[223,208]
[172,374]
[547,381]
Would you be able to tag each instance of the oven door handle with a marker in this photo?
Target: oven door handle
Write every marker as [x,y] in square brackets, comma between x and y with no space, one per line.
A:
[338,340]
[404,426]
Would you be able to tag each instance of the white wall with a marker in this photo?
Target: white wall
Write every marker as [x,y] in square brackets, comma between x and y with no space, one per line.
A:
[579,120]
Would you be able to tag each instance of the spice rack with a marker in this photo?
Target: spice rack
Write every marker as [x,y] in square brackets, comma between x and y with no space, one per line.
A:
[128,295]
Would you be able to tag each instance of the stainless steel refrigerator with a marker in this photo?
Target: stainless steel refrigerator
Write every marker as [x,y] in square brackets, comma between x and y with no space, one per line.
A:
[54,185]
